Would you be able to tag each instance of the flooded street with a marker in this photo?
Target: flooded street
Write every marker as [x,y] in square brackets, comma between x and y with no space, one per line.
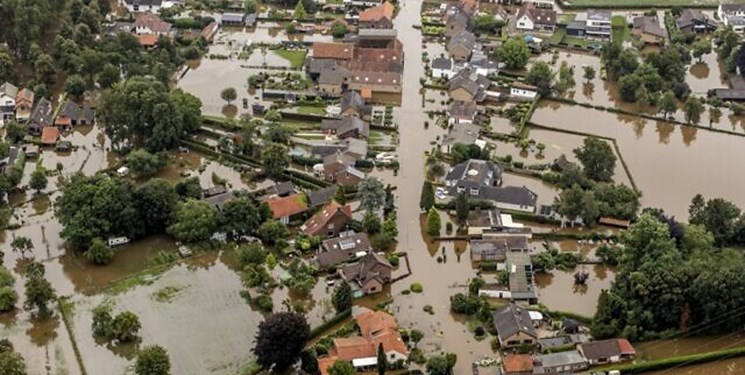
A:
[655,152]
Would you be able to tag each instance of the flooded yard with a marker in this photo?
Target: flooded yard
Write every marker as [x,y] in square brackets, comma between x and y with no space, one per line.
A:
[557,290]
[655,152]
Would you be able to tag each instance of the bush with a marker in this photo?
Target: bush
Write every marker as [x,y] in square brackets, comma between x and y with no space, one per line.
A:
[417,356]
[479,331]
[264,303]
[449,227]
[429,309]
[416,288]
[495,344]
[393,260]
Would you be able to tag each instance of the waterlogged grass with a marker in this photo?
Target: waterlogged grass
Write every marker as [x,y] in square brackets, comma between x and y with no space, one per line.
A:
[295,57]
[311,110]
[167,294]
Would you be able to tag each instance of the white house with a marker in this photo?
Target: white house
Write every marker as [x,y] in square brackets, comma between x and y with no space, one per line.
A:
[442,67]
[733,15]
[8,93]
[523,91]
[150,24]
[524,22]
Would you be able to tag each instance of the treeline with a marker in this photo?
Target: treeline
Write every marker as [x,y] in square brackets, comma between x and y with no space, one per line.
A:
[673,278]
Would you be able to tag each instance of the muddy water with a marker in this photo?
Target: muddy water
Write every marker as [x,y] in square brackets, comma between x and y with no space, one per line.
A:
[557,291]
[689,345]
[705,75]
[546,193]
[670,163]
[725,367]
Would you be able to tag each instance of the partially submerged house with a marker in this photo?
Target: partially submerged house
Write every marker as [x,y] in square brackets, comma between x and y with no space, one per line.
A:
[495,249]
[442,67]
[149,23]
[467,85]
[461,46]
[465,134]
[353,105]
[607,351]
[732,15]
[523,91]
[462,113]
[329,221]
[520,270]
[8,94]
[341,249]
[566,362]
[347,127]
[49,136]
[455,23]
[368,275]
[492,223]
[514,326]
[517,364]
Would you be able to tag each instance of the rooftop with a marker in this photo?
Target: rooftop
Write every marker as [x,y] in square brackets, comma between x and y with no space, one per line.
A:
[518,363]
[290,205]
[338,51]
[512,319]
[377,13]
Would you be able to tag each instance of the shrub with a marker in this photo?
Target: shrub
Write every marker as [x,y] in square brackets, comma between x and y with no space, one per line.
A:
[417,356]
[479,331]
[416,288]
[264,303]
[429,309]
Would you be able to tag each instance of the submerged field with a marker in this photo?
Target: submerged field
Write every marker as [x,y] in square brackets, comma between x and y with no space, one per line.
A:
[643,3]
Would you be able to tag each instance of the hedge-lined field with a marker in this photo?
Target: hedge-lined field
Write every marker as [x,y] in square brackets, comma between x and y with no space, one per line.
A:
[643,3]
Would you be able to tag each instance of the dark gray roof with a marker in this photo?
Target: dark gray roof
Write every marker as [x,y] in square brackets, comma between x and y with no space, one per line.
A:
[70,110]
[351,99]
[730,94]
[481,60]
[521,196]
[333,76]
[470,79]
[316,66]
[42,113]
[215,190]
[520,269]
[480,172]
[282,188]
[466,134]
[347,124]
[457,19]
[322,196]
[462,110]
[512,319]
[689,16]
[577,25]
[9,89]
[484,218]
[326,149]
[735,20]
[554,342]
[500,244]
[341,249]
[649,25]
[560,359]
[251,19]
[599,15]
[442,63]
[464,38]
[219,200]
[601,349]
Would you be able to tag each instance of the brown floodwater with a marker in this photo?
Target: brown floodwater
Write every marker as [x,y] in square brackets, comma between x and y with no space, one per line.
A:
[670,163]
[557,290]
[659,349]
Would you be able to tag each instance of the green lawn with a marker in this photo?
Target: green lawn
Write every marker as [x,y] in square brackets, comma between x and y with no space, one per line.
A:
[620,30]
[311,110]
[375,138]
[643,3]
[558,36]
[295,57]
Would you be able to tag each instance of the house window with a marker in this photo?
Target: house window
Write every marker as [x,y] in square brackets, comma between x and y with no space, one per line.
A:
[331,226]
[461,189]
[373,288]
[474,191]
[513,342]
[527,341]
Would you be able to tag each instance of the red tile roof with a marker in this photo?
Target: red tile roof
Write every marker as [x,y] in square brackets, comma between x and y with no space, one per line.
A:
[325,363]
[625,347]
[337,51]
[518,363]
[49,135]
[355,347]
[287,206]
[147,40]
[377,13]
[152,22]
[381,328]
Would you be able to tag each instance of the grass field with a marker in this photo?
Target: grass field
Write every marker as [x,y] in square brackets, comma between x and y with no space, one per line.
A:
[311,110]
[295,57]
[643,3]
[620,30]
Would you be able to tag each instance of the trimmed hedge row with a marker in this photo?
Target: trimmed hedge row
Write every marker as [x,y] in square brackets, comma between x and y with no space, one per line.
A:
[318,331]
[680,361]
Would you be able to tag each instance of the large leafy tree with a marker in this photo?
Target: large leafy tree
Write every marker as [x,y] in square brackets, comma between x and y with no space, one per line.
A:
[514,53]
[342,297]
[427,199]
[153,360]
[193,221]
[717,215]
[155,201]
[39,291]
[281,338]
[597,159]
[577,203]
[342,367]
[239,217]
[275,159]
[371,193]
[11,363]
[541,76]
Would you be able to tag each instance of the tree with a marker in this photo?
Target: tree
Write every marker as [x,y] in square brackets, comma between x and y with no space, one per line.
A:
[102,320]
[514,53]
[229,94]
[342,298]
[427,199]
[668,104]
[273,116]
[341,367]
[540,147]
[541,76]
[588,73]
[125,327]
[21,245]
[371,223]
[484,22]
[338,31]
[433,222]
[382,364]
[438,365]
[566,77]
[143,163]
[462,207]
[576,203]
[153,360]
[693,109]
[109,76]
[275,159]
[717,215]
[99,252]
[281,338]
[299,13]
[249,6]
[15,132]
[700,48]
[340,196]
[75,86]
[239,217]
[11,363]
[618,201]
[39,291]
[193,221]
[416,336]
[38,179]
[597,158]
[8,296]
[371,193]
[44,68]
[155,201]
[189,188]
[272,230]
